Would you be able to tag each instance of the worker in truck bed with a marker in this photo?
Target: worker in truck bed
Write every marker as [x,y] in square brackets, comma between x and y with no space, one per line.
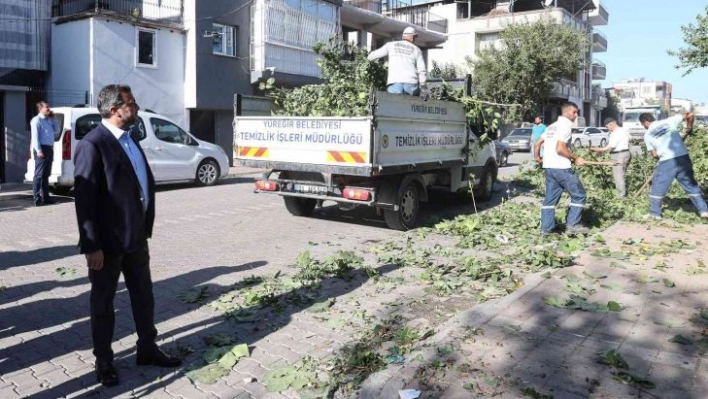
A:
[406,66]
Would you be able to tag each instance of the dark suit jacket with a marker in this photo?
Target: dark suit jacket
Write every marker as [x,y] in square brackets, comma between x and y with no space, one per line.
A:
[108,199]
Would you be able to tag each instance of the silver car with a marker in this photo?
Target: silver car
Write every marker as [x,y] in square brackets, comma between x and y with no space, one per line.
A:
[589,137]
[519,139]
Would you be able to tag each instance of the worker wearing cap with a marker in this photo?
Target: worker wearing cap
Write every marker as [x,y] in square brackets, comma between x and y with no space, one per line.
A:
[618,147]
[406,66]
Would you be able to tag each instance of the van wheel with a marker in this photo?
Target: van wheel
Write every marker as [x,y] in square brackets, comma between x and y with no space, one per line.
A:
[207,173]
[486,183]
[61,190]
[408,200]
[298,206]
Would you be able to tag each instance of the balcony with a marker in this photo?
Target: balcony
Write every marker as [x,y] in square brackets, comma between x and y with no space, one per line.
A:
[599,100]
[564,89]
[599,16]
[599,42]
[170,11]
[403,12]
[599,70]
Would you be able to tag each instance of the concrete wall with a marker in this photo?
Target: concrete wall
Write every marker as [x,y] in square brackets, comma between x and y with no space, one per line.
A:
[213,79]
[91,53]
[17,137]
[70,65]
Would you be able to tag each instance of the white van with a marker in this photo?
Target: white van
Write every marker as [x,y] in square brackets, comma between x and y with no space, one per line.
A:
[173,154]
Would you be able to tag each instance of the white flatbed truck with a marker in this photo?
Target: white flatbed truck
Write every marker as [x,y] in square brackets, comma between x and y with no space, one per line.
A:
[389,159]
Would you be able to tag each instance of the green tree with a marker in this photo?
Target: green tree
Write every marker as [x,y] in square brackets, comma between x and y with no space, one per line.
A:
[613,109]
[695,55]
[532,56]
[445,70]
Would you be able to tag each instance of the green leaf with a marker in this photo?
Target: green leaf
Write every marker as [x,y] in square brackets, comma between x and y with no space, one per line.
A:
[208,374]
[704,314]
[632,379]
[595,276]
[194,295]
[680,339]
[614,306]
[65,271]
[212,354]
[668,283]
[614,359]
[553,301]
[321,306]
[668,323]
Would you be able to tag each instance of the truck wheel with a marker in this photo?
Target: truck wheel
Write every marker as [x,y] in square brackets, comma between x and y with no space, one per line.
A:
[300,206]
[408,200]
[486,183]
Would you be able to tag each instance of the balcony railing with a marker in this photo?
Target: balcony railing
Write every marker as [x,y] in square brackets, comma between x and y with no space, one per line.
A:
[599,41]
[403,11]
[156,10]
[600,15]
[599,70]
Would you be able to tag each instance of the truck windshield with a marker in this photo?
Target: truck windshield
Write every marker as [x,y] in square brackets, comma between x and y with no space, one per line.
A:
[631,117]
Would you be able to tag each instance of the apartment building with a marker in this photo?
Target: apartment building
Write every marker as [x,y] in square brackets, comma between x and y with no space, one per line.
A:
[474,25]
[190,59]
[24,60]
[641,91]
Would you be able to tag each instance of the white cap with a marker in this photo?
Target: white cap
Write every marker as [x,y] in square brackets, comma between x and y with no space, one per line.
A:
[410,31]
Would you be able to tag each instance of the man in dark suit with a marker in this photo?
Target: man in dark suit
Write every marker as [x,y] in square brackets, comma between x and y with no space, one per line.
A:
[115,209]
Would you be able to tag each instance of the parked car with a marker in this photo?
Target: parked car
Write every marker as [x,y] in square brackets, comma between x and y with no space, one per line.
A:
[173,154]
[589,137]
[503,152]
[519,139]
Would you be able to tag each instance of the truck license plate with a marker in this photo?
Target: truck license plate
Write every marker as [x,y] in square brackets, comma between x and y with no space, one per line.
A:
[306,188]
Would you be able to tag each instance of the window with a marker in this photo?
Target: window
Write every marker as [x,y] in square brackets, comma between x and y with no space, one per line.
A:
[87,123]
[224,40]
[146,48]
[169,132]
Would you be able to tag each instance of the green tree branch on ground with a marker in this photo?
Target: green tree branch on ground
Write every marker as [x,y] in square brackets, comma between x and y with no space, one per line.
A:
[532,56]
[695,55]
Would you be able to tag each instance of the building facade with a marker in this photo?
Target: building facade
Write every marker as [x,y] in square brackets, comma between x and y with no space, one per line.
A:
[475,25]
[24,61]
[641,91]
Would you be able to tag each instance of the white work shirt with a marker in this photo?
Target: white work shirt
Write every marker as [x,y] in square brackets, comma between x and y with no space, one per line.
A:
[560,131]
[619,140]
[405,62]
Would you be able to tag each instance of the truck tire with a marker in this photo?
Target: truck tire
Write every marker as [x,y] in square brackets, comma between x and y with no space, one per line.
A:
[298,206]
[486,182]
[408,200]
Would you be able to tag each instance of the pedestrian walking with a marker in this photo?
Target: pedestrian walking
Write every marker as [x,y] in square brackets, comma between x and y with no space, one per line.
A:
[618,147]
[115,210]
[406,66]
[42,129]
[537,131]
[663,139]
[560,176]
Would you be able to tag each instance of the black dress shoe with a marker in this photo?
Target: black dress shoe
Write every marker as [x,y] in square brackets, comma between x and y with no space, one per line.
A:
[157,358]
[106,374]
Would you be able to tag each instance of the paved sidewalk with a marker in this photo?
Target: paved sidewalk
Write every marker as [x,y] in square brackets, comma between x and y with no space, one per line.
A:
[234,171]
[519,342]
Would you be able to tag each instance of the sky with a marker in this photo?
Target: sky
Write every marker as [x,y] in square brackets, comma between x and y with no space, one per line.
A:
[640,32]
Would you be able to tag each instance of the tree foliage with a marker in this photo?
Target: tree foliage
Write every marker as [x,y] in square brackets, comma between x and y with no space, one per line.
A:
[445,70]
[348,77]
[613,109]
[695,55]
[531,57]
